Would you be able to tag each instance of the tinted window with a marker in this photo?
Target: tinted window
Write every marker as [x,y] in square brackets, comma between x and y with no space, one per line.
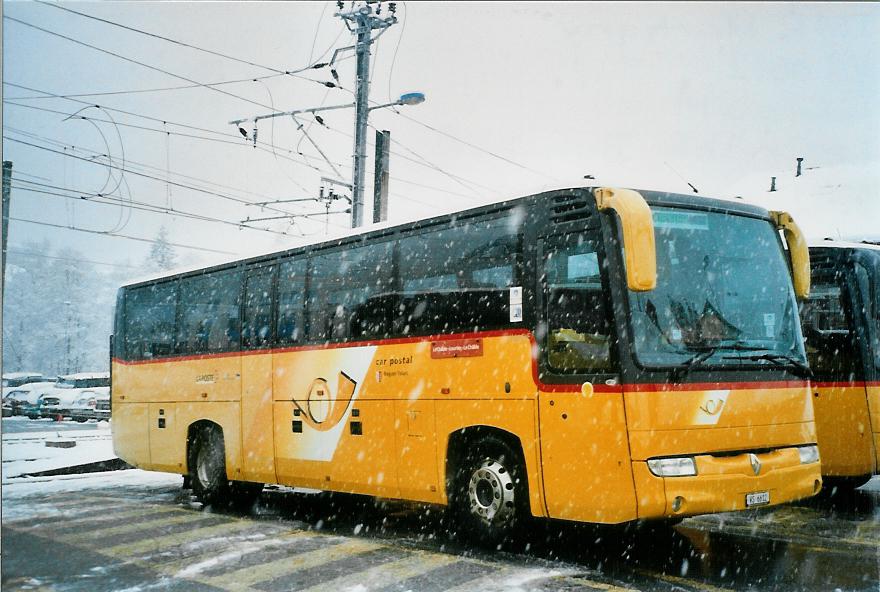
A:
[149,321]
[828,335]
[256,329]
[350,293]
[579,332]
[209,313]
[291,301]
[458,279]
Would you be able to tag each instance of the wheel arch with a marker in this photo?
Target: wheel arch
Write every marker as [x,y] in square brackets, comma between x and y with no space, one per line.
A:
[462,439]
[193,430]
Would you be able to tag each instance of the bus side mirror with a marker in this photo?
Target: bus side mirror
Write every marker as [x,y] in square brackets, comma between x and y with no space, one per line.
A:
[638,235]
[797,251]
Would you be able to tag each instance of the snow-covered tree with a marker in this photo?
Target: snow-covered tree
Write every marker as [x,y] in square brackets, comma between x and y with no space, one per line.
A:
[162,254]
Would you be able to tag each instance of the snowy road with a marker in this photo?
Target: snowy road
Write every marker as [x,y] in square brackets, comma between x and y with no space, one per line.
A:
[133,530]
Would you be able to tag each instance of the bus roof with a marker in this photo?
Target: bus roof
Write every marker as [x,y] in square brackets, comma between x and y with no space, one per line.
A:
[655,198]
[839,244]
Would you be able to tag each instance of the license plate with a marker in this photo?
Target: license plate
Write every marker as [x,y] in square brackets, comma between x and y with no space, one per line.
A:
[759,498]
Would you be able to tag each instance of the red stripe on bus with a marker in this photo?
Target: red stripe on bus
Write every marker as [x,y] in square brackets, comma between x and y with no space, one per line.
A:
[847,383]
[544,387]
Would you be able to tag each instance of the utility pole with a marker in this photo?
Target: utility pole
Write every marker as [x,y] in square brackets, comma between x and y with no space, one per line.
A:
[364,22]
[7,183]
[361,20]
[380,178]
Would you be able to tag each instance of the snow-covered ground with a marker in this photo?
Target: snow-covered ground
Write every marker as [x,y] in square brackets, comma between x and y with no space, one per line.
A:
[28,452]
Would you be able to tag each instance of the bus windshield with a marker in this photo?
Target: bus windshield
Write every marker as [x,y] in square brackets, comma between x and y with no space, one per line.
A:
[724,294]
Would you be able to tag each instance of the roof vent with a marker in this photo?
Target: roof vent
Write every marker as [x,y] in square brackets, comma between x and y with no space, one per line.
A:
[567,208]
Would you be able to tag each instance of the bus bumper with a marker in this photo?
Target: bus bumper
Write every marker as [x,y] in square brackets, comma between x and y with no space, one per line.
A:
[727,484]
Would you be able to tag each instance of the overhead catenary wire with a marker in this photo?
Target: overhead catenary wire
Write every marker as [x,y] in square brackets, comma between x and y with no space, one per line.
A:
[71,259]
[266,205]
[116,234]
[148,176]
[260,145]
[184,44]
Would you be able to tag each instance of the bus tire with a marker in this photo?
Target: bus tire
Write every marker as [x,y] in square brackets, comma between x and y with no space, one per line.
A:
[207,466]
[490,496]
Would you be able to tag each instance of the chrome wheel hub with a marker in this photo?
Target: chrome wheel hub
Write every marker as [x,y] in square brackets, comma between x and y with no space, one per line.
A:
[491,493]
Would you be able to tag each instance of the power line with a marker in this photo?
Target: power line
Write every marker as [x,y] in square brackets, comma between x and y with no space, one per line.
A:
[136,205]
[162,209]
[138,62]
[262,146]
[271,150]
[116,234]
[42,256]
[132,162]
[311,66]
[141,174]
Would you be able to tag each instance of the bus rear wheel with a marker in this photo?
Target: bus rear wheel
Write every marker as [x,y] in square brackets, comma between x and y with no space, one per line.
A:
[490,496]
[207,466]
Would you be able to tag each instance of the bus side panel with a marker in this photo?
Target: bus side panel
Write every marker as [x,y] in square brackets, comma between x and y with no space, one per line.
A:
[515,416]
[257,440]
[585,455]
[217,378]
[874,407]
[416,441]
[843,430]
[225,414]
[167,447]
[131,436]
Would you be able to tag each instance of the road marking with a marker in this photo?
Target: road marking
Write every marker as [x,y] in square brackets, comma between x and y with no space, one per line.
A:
[245,579]
[695,584]
[101,537]
[387,574]
[159,542]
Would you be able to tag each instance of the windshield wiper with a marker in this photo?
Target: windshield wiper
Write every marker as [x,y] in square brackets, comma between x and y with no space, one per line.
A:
[706,352]
[781,360]
[680,372]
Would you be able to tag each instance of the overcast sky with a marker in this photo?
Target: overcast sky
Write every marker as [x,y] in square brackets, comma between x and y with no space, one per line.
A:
[522,97]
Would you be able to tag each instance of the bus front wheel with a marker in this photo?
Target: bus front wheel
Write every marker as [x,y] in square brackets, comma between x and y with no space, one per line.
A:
[490,494]
[207,466]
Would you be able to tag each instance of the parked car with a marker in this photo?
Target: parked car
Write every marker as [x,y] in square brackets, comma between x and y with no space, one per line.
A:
[19,398]
[13,380]
[91,404]
[75,391]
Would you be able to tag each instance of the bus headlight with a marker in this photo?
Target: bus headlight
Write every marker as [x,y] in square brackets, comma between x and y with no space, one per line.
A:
[808,454]
[673,467]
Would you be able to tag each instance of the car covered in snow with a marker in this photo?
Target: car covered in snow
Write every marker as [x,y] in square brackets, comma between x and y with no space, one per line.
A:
[74,392]
[92,404]
[14,380]
[18,399]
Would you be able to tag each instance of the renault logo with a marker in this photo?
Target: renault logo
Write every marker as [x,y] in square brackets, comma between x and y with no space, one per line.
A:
[756,464]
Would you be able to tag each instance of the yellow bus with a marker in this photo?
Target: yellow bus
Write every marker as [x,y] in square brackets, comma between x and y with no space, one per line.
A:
[841,325]
[589,354]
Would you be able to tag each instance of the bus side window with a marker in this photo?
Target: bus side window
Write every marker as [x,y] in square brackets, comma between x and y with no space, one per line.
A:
[828,336]
[149,320]
[870,299]
[291,301]
[256,328]
[350,292]
[579,331]
[208,319]
[458,279]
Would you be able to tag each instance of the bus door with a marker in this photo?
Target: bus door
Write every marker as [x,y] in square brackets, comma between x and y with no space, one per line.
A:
[257,441]
[830,322]
[584,447]
[867,278]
